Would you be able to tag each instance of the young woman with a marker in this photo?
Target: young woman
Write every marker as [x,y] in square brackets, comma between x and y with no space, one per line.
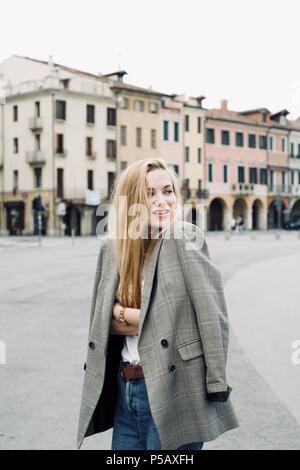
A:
[158,338]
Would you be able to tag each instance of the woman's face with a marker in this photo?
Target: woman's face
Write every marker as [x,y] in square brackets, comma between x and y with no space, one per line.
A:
[162,198]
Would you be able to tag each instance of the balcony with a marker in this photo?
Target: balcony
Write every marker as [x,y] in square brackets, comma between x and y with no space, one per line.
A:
[280,189]
[243,188]
[92,156]
[60,153]
[37,157]
[35,124]
[189,193]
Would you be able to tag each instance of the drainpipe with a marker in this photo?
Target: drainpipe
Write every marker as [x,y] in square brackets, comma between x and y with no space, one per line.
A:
[53,160]
[3,167]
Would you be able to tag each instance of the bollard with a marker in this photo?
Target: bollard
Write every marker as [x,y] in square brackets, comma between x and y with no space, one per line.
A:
[277,234]
[227,235]
[73,235]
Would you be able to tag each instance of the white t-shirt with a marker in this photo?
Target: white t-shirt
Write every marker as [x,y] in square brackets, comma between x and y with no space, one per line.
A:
[130,352]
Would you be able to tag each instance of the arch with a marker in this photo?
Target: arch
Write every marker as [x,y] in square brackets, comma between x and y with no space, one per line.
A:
[276,214]
[215,215]
[257,208]
[295,210]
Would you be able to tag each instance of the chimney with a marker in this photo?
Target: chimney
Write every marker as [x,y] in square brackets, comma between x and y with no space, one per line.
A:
[223,106]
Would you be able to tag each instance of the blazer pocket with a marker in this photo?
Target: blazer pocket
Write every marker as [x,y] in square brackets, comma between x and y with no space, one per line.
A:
[190,350]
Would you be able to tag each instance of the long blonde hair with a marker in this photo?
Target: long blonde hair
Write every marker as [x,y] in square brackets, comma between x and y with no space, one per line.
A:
[132,253]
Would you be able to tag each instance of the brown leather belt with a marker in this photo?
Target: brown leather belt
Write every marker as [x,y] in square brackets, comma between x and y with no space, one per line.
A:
[131,371]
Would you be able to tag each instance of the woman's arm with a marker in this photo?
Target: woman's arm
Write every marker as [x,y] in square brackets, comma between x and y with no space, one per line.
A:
[132,315]
[116,328]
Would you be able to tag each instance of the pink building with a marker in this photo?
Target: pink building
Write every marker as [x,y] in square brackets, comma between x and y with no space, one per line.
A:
[246,165]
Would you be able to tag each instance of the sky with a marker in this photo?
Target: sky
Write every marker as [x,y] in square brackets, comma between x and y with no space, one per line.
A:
[244,51]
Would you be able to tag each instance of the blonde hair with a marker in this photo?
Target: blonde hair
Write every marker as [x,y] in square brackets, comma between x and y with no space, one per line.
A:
[132,253]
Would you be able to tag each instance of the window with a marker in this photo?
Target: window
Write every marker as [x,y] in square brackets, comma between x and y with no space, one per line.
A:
[153,138]
[124,103]
[60,182]
[153,107]
[16,180]
[283,144]
[110,181]
[111,149]
[210,136]
[283,178]
[271,142]
[199,125]
[61,110]
[15,113]
[90,113]
[90,180]
[123,135]
[37,108]
[16,145]
[176,131]
[59,143]
[253,175]
[239,139]
[252,141]
[263,176]
[123,165]
[187,154]
[139,105]
[89,146]
[263,142]
[37,177]
[292,149]
[298,177]
[225,138]
[225,173]
[38,142]
[241,174]
[187,123]
[210,172]
[176,169]
[166,130]
[111,116]
[292,177]
[199,152]
[138,136]
[298,156]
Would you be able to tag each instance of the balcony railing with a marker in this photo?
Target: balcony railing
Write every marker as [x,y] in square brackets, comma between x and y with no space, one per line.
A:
[61,153]
[243,188]
[37,157]
[191,193]
[279,189]
[92,155]
[36,123]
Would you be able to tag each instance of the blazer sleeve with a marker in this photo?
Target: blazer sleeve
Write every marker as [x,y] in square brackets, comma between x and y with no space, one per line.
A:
[96,283]
[204,283]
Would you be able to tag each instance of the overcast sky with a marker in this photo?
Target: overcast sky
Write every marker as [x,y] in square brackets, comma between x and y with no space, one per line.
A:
[246,51]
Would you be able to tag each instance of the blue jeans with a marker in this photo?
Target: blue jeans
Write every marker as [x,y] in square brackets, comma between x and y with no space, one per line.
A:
[134,428]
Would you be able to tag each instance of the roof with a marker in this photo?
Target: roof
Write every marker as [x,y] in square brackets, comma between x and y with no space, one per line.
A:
[64,67]
[133,88]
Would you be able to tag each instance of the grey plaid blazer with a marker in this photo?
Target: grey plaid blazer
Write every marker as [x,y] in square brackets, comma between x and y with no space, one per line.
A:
[183,343]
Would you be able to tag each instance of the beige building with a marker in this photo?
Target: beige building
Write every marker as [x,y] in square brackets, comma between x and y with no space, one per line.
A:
[58,132]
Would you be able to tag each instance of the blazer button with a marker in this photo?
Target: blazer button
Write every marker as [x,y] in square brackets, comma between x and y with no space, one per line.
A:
[164,343]
[172,368]
[91,345]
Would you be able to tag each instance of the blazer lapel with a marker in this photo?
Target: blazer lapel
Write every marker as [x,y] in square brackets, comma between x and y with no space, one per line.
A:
[148,276]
